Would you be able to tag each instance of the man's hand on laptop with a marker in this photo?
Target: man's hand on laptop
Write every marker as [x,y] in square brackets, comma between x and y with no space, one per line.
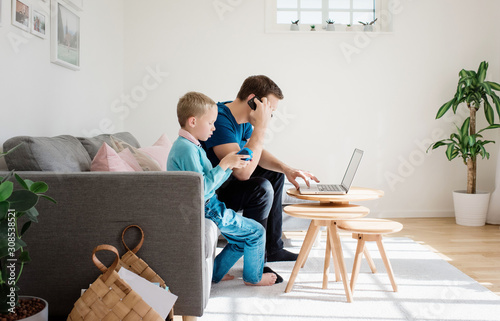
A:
[292,175]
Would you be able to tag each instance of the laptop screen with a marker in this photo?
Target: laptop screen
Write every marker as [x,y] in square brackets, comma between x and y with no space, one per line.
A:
[351,169]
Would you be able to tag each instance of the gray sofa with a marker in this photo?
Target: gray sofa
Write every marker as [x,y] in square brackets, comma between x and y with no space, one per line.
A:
[94,207]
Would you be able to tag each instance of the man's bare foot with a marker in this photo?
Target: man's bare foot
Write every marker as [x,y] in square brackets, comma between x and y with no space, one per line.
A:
[267,279]
[227,277]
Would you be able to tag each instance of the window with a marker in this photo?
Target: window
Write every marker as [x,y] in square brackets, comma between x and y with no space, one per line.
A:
[280,13]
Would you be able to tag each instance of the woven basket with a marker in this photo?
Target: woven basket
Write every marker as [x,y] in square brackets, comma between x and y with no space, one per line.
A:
[111,298]
[133,263]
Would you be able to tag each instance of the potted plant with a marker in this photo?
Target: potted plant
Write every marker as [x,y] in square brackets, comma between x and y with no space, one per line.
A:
[473,91]
[348,27]
[17,205]
[295,25]
[330,25]
[313,28]
[368,26]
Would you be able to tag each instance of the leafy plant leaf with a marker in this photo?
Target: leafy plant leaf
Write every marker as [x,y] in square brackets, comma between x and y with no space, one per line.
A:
[39,187]
[22,182]
[4,209]
[488,112]
[26,226]
[6,189]
[481,72]
[24,257]
[465,128]
[32,214]
[22,200]
[49,198]
[444,108]
[493,85]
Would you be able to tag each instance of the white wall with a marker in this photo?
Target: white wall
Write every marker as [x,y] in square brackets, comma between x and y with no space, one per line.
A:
[139,57]
[40,98]
[382,98]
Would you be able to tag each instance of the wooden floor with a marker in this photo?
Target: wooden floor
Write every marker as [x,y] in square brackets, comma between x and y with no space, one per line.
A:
[473,250]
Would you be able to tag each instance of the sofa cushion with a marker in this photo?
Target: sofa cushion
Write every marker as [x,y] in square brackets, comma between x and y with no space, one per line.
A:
[108,160]
[143,156]
[54,154]
[92,144]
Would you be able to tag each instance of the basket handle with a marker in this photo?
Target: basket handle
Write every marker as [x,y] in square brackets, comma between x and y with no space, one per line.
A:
[138,247]
[106,271]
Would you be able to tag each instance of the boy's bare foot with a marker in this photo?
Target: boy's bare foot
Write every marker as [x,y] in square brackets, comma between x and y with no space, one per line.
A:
[267,279]
[227,277]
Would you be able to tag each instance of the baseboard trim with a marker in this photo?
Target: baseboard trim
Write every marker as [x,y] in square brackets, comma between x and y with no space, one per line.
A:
[411,214]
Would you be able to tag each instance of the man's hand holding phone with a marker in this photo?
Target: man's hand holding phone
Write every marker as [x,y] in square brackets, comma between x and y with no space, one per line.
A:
[259,117]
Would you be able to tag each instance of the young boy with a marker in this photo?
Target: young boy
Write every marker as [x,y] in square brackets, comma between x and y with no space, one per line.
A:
[197,114]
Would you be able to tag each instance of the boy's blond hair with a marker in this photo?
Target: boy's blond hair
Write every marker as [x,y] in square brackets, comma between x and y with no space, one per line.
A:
[193,104]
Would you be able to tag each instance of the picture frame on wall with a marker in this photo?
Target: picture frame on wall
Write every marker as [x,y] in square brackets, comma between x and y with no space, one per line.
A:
[76,4]
[38,23]
[65,35]
[21,14]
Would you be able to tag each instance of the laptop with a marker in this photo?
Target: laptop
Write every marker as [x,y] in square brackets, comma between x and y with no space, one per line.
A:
[333,189]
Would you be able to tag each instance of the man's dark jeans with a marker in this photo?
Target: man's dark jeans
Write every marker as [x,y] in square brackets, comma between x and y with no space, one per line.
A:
[260,198]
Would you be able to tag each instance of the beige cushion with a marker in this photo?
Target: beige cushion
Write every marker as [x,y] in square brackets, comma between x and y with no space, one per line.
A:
[108,160]
[146,162]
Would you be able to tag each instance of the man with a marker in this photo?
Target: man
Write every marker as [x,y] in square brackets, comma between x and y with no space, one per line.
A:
[256,189]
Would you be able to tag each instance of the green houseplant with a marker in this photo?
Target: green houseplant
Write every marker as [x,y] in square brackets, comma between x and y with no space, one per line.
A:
[368,26]
[473,91]
[16,205]
[330,26]
[295,25]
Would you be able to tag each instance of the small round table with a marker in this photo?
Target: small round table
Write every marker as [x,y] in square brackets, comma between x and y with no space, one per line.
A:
[329,210]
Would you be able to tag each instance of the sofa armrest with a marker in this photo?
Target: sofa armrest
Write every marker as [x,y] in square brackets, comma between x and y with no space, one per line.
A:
[93,208]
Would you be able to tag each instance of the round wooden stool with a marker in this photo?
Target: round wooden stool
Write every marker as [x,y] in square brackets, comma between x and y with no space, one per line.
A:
[370,230]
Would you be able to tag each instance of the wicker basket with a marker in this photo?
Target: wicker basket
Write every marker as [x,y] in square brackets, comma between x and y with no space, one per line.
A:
[111,298]
[133,263]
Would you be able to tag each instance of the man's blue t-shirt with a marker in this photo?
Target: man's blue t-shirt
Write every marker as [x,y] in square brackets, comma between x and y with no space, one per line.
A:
[227,131]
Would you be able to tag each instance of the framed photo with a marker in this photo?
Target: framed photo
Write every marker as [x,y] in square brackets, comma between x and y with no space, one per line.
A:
[21,14]
[38,21]
[77,4]
[65,35]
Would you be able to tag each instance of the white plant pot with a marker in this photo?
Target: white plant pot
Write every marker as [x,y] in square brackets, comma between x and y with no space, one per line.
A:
[494,209]
[471,209]
[330,27]
[368,28]
[294,27]
[40,316]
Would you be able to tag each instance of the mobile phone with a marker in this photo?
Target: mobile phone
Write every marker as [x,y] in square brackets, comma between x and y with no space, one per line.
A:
[246,151]
[252,103]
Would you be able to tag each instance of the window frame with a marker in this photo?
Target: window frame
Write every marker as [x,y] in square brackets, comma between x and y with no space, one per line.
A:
[383,24]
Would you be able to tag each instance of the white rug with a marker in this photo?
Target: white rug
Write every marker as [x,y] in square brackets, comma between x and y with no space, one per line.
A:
[429,289]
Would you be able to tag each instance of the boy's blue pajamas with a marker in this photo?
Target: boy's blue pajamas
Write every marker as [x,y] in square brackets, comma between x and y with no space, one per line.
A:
[245,236]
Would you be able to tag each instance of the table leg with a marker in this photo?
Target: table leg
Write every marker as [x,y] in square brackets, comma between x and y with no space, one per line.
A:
[328,252]
[357,261]
[337,267]
[369,260]
[304,252]
[337,246]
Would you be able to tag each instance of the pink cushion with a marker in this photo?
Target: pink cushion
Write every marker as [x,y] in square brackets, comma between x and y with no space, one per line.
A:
[108,160]
[159,151]
[152,158]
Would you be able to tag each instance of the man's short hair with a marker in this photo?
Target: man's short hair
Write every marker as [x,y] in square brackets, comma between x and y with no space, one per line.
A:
[193,104]
[260,86]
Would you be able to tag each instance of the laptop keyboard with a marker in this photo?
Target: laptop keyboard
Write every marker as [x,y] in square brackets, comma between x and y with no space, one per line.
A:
[329,188]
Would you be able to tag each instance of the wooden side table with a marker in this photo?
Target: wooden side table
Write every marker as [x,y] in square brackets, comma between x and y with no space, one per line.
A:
[329,210]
